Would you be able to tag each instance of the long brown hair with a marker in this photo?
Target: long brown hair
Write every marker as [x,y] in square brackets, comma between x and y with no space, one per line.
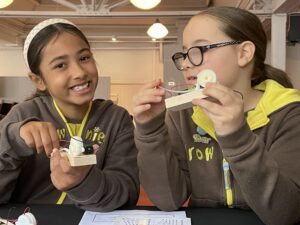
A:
[242,25]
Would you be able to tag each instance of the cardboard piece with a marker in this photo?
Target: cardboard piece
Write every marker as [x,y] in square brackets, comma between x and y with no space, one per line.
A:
[82,160]
[183,101]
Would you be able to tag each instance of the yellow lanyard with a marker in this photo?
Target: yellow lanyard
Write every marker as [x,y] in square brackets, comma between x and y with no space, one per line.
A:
[66,122]
[63,194]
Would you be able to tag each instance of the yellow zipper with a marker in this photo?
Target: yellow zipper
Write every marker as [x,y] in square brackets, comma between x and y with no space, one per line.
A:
[227,184]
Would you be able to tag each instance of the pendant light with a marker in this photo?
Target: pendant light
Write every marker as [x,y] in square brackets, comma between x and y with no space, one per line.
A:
[157,30]
[145,4]
[5,3]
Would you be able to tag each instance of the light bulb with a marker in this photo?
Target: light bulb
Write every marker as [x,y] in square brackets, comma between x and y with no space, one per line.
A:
[114,38]
[145,4]
[5,3]
[157,30]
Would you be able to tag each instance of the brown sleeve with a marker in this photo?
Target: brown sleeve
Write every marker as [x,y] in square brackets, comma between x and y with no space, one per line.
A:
[266,167]
[158,161]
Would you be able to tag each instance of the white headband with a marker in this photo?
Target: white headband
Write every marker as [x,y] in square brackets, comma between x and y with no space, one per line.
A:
[36,30]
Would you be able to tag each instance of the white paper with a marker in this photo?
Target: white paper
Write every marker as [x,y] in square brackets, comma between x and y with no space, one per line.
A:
[152,221]
[109,218]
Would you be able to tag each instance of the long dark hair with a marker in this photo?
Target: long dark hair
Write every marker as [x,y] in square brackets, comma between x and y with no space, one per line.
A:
[242,25]
[42,38]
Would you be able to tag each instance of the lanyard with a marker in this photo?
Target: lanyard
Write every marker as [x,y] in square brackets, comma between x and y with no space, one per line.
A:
[66,122]
[63,194]
[227,183]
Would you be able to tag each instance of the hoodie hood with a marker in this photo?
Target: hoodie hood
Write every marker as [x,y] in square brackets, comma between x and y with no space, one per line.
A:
[274,98]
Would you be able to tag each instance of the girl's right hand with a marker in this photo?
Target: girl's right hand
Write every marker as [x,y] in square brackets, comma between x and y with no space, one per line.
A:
[41,136]
[148,102]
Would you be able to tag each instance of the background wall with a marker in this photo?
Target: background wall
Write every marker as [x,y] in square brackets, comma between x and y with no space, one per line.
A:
[127,68]
[130,68]
[293,64]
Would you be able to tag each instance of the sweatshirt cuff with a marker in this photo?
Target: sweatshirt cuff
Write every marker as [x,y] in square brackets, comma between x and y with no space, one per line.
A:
[85,190]
[151,126]
[237,142]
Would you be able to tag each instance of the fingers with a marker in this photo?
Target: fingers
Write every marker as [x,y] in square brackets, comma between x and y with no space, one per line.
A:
[63,175]
[40,135]
[59,160]
[140,109]
[54,159]
[148,102]
[219,92]
[96,148]
[49,138]
[223,106]
[148,95]
[152,84]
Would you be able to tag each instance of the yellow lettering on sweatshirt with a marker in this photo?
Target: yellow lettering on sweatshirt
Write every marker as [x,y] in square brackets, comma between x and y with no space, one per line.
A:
[199,154]
[209,152]
[95,135]
[200,139]
[88,135]
[61,133]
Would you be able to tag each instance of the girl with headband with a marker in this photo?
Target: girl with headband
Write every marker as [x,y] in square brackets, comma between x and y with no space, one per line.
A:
[64,72]
[239,147]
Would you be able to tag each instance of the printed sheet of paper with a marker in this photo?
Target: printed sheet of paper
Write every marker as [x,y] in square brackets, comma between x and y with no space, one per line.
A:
[152,221]
[109,218]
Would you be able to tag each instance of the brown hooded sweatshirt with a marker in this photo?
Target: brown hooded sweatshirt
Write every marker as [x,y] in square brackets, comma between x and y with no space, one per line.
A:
[257,166]
[25,175]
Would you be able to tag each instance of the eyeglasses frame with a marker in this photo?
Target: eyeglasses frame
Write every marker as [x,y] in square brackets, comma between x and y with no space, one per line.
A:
[202,49]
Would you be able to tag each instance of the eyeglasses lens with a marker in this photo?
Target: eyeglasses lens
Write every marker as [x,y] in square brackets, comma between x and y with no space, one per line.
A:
[178,59]
[195,56]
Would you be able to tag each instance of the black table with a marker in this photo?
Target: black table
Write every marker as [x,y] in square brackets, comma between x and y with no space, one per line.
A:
[70,215]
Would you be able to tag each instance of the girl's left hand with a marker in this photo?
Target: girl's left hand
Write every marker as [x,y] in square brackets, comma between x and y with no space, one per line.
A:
[63,175]
[224,106]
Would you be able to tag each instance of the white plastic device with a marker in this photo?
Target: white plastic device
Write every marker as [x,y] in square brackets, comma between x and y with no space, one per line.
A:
[26,219]
[76,146]
[184,101]
[205,76]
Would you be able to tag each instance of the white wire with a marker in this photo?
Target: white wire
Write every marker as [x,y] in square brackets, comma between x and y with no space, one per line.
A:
[173,91]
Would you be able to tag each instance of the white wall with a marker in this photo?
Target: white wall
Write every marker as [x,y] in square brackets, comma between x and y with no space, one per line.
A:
[128,69]
[293,64]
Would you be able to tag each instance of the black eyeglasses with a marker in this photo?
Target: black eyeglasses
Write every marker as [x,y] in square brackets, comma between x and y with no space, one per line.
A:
[195,54]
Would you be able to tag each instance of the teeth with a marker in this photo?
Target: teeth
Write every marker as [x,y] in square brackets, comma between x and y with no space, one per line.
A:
[80,87]
[192,78]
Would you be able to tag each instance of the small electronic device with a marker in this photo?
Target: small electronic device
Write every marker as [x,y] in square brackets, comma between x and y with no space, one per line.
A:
[78,154]
[26,219]
[184,101]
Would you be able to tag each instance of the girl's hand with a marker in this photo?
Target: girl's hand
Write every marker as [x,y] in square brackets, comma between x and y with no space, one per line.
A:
[63,175]
[225,107]
[148,102]
[39,135]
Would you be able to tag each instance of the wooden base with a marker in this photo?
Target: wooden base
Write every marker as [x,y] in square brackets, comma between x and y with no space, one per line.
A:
[183,101]
[82,160]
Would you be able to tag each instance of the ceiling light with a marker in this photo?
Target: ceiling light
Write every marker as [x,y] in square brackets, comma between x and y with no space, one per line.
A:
[157,30]
[114,38]
[5,3]
[145,4]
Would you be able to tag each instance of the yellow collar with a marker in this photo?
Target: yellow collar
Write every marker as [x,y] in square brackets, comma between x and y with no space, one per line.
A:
[275,97]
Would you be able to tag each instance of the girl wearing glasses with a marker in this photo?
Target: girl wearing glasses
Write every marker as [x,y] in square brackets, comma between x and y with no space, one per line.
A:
[63,69]
[237,148]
